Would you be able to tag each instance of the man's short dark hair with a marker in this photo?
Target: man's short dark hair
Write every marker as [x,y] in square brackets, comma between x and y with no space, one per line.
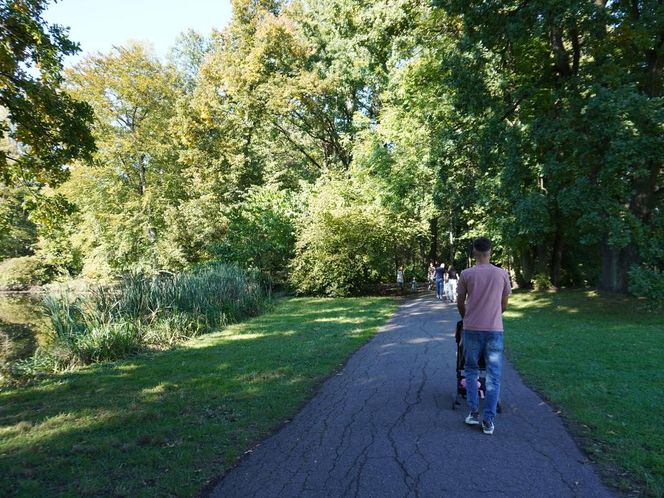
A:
[482,244]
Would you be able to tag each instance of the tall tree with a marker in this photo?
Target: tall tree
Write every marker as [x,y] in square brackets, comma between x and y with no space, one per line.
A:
[126,193]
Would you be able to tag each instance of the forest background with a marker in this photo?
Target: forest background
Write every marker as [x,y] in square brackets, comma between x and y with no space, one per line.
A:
[328,142]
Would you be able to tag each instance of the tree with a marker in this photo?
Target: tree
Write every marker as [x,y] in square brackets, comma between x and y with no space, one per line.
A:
[561,106]
[17,232]
[261,231]
[50,128]
[187,56]
[134,181]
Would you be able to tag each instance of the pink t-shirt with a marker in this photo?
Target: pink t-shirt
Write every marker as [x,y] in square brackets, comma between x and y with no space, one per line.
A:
[483,287]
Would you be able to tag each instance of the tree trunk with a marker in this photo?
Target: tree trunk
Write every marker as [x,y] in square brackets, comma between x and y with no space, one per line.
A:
[541,264]
[556,258]
[616,264]
[524,267]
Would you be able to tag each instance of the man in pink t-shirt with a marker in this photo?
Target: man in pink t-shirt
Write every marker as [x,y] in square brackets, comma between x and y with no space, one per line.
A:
[482,294]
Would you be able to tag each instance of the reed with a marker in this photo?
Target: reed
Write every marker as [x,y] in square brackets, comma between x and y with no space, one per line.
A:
[143,311]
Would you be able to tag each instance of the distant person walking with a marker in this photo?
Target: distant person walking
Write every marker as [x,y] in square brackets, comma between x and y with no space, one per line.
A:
[483,292]
[452,283]
[440,277]
[431,276]
[400,278]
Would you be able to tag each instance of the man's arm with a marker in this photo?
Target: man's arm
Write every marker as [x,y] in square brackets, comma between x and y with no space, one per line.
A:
[507,290]
[461,296]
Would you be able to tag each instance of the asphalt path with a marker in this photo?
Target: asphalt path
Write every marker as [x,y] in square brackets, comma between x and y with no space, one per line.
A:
[384,427]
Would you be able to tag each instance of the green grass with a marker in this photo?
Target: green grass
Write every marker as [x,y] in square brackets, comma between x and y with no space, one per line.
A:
[163,424]
[599,359]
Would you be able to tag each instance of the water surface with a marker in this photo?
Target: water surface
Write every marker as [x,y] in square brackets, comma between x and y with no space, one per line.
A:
[23,326]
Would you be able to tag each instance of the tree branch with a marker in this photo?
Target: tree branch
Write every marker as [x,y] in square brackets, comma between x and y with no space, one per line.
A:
[295,144]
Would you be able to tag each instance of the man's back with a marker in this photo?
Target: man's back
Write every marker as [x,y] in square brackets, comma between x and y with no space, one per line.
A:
[485,286]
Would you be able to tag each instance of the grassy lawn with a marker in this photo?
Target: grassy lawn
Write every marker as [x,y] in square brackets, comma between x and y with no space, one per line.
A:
[163,424]
[600,360]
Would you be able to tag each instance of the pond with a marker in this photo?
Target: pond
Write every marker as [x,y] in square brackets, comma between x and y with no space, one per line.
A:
[23,326]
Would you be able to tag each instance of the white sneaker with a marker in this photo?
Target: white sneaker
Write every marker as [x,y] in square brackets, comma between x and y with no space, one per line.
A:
[473,418]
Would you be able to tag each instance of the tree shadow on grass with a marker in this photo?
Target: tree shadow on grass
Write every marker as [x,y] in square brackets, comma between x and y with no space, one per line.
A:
[163,423]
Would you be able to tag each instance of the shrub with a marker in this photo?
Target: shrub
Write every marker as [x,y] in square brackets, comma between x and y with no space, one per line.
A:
[347,240]
[261,231]
[22,273]
[541,281]
[341,253]
[647,283]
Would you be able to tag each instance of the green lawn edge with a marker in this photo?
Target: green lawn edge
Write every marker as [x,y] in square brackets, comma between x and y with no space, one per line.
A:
[586,354]
[168,423]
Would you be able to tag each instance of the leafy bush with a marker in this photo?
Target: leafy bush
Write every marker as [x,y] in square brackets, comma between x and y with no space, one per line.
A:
[341,254]
[22,273]
[647,283]
[541,281]
[261,231]
[345,243]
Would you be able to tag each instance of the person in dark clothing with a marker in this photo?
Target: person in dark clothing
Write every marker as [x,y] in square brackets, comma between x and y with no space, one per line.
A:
[452,284]
[440,280]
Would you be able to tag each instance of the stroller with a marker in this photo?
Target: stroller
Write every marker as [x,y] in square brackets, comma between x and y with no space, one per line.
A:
[461,378]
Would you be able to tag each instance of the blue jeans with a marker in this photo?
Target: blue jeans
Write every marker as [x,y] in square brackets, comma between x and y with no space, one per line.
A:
[439,286]
[489,344]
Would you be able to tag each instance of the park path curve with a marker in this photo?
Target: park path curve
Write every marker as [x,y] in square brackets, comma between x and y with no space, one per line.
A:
[384,427]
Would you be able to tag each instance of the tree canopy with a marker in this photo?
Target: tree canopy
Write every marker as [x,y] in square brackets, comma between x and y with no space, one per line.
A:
[329,142]
[49,126]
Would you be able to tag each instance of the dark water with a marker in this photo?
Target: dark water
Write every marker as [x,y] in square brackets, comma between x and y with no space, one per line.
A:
[23,326]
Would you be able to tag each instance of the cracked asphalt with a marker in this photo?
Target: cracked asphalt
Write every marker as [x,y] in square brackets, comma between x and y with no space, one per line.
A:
[384,427]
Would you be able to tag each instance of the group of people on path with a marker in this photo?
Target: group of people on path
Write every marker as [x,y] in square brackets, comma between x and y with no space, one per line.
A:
[444,280]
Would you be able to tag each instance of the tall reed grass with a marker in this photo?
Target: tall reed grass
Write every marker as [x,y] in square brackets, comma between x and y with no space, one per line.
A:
[145,311]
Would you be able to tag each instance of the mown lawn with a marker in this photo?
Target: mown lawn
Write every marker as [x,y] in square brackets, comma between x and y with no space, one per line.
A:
[163,424]
[600,359]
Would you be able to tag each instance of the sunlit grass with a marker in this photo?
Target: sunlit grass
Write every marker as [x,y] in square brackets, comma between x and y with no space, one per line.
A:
[163,424]
[599,358]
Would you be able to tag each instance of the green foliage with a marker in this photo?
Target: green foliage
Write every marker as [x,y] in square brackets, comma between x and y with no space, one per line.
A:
[558,110]
[56,220]
[47,126]
[187,55]
[22,273]
[537,125]
[261,231]
[647,283]
[128,197]
[346,240]
[541,282]
[17,233]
